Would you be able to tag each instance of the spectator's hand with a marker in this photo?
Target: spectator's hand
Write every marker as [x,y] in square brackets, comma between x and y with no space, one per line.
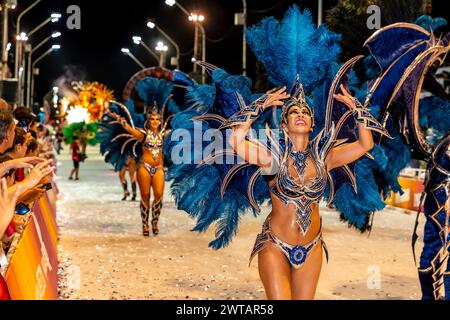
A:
[7,205]
[40,171]
[27,162]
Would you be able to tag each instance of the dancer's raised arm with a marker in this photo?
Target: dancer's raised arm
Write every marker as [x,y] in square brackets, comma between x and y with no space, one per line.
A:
[247,150]
[134,132]
[350,152]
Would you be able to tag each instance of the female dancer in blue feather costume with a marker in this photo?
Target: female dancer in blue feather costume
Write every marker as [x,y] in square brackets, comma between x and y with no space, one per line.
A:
[289,246]
[296,167]
[123,140]
[150,168]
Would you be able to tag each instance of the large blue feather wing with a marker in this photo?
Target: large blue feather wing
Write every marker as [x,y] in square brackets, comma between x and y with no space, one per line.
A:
[116,144]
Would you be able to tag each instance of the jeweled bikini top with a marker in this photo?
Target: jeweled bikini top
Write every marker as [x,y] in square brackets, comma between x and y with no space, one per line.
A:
[154,142]
[294,190]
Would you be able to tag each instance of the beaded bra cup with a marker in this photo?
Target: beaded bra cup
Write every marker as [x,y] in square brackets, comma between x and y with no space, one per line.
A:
[154,142]
[292,191]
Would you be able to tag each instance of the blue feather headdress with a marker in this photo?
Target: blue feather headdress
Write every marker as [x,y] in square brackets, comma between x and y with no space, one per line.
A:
[156,95]
[297,98]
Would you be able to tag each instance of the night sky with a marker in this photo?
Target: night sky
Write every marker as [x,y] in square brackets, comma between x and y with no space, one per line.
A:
[93,53]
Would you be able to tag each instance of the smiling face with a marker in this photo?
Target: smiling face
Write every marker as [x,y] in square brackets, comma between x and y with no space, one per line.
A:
[154,121]
[298,120]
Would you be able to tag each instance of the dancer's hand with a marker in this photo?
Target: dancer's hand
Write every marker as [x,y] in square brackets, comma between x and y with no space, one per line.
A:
[123,122]
[346,98]
[275,98]
[114,115]
[119,119]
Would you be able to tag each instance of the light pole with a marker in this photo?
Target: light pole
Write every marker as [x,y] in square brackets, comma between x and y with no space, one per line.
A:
[128,53]
[152,25]
[162,49]
[18,31]
[196,19]
[320,10]
[138,40]
[6,6]
[33,67]
[22,38]
[240,19]
[244,39]
[54,35]
[20,58]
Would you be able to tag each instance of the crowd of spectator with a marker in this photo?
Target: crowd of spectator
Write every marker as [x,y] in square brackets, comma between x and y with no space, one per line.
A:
[26,168]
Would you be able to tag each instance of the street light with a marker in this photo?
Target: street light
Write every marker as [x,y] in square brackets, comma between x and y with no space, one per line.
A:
[138,40]
[54,35]
[22,37]
[152,25]
[160,46]
[196,17]
[54,47]
[127,52]
[55,17]
[162,49]
[198,26]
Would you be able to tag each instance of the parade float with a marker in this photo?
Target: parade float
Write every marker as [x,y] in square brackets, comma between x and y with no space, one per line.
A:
[82,108]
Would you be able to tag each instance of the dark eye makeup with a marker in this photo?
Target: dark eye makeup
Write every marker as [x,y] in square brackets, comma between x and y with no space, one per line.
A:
[297,110]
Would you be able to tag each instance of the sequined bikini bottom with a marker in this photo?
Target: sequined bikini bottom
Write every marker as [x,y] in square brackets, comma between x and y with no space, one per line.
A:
[152,170]
[296,255]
